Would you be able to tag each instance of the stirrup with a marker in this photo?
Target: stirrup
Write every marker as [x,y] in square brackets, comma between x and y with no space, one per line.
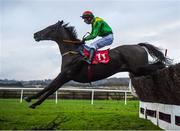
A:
[87,60]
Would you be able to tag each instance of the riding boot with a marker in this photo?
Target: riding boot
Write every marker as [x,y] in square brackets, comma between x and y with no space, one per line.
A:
[91,55]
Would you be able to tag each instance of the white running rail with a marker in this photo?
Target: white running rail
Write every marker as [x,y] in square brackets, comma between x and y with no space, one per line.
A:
[71,89]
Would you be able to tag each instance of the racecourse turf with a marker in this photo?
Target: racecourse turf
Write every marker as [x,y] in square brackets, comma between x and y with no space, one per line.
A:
[72,115]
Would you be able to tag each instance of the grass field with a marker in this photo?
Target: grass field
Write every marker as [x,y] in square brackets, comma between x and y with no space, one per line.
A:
[72,115]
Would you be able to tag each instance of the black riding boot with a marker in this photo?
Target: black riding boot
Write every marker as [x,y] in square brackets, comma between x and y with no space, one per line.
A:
[91,56]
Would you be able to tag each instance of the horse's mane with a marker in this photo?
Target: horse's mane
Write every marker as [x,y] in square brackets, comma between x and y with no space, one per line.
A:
[70,30]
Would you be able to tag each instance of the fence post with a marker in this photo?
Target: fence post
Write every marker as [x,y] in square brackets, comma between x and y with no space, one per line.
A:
[56,97]
[125,98]
[21,96]
[92,97]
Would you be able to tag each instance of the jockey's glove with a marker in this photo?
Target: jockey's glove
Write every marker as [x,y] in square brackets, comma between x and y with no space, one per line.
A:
[83,41]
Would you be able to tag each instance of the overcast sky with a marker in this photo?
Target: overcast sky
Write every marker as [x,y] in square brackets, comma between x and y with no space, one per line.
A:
[132,21]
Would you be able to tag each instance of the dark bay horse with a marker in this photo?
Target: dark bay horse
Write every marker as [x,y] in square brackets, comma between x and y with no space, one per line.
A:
[125,58]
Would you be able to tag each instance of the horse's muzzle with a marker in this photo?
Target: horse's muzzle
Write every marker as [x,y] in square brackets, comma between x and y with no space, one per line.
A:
[36,37]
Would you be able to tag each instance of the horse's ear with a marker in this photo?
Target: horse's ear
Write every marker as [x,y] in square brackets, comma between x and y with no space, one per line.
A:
[60,22]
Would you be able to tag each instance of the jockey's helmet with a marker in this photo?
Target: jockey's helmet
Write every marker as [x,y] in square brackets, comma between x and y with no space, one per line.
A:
[87,14]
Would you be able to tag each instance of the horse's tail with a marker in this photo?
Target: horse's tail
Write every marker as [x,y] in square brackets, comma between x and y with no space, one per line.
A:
[156,53]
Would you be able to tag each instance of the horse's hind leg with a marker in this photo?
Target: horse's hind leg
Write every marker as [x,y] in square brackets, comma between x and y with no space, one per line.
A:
[148,69]
[55,85]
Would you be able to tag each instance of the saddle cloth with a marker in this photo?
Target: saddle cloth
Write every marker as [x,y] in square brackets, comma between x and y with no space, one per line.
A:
[101,56]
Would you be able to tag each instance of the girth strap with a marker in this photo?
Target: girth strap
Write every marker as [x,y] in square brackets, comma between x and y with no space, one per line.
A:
[90,74]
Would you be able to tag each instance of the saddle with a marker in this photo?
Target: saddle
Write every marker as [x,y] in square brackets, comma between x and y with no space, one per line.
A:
[101,56]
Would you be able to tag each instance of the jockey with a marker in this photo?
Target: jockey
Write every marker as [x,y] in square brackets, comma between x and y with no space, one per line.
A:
[99,28]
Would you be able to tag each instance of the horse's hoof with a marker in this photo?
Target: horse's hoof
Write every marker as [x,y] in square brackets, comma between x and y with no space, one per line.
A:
[32,106]
[27,99]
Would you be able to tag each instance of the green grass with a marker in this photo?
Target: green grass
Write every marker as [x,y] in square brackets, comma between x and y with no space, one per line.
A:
[72,115]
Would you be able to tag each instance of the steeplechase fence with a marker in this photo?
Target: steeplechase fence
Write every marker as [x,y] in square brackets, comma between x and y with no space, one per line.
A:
[159,96]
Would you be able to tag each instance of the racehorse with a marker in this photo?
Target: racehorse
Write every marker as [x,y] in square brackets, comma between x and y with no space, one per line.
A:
[125,58]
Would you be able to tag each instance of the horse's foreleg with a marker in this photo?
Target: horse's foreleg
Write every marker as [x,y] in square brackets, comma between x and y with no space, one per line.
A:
[28,99]
[50,86]
[55,85]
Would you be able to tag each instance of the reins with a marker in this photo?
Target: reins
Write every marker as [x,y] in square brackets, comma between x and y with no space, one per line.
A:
[75,41]
[72,41]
